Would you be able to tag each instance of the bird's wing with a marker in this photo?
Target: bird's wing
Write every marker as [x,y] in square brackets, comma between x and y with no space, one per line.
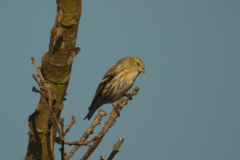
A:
[111,73]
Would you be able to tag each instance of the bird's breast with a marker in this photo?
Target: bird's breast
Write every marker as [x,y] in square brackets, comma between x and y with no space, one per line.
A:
[120,87]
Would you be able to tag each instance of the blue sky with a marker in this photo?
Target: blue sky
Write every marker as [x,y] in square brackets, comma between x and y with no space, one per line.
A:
[188,104]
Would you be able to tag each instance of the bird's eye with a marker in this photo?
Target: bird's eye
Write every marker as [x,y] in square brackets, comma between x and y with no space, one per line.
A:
[137,63]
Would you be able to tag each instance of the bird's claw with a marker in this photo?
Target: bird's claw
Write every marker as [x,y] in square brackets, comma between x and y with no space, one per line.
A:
[118,113]
[115,108]
[129,96]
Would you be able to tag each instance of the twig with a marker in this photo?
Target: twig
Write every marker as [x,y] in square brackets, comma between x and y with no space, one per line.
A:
[37,68]
[61,121]
[62,141]
[102,158]
[44,84]
[70,125]
[36,79]
[111,120]
[58,127]
[89,131]
[71,143]
[85,143]
[37,90]
[116,149]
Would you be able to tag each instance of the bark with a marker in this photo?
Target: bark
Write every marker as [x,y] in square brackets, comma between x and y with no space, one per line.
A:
[56,70]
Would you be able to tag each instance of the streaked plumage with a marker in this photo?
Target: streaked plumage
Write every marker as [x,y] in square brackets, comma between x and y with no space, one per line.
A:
[116,82]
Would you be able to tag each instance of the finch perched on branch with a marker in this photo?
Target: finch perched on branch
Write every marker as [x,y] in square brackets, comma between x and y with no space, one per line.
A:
[116,82]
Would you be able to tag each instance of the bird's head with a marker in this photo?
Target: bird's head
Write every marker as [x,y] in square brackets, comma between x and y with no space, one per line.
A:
[130,64]
[137,64]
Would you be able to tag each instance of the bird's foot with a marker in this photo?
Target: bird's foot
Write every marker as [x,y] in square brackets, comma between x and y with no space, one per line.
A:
[116,109]
[129,96]
[118,113]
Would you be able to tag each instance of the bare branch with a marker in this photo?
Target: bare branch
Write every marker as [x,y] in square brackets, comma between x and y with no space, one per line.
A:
[63,154]
[110,122]
[58,127]
[44,83]
[37,90]
[37,80]
[70,125]
[85,143]
[116,148]
[89,131]
[37,68]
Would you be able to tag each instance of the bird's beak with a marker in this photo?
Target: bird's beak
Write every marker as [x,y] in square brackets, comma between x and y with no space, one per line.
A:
[141,70]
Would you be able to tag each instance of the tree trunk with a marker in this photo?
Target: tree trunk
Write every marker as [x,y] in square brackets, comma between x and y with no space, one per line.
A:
[56,70]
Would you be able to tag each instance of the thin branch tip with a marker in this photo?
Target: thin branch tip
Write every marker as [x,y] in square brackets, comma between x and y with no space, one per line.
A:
[83,139]
[116,148]
[70,125]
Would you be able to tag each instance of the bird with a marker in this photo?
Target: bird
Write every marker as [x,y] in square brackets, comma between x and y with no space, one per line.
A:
[118,80]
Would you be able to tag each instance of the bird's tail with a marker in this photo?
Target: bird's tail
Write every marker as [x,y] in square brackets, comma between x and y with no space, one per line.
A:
[91,112]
